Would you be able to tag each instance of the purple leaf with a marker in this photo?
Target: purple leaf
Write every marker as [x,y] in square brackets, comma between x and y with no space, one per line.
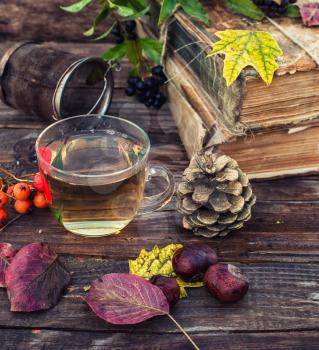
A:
[310,14]
[6,255]
[122,298]
[35,279]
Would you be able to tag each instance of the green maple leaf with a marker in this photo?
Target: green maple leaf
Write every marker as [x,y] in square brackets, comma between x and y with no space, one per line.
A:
[244,48]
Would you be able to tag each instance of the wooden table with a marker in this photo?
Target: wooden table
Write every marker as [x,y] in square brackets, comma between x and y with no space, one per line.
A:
[278,249]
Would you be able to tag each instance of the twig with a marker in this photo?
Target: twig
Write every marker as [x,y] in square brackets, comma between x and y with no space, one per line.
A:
[10,222]
[27,175]
[184,332]
[8,173]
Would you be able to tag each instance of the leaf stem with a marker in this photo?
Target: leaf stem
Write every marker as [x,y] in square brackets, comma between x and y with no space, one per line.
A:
[10,222]
[184,332]
[8,173]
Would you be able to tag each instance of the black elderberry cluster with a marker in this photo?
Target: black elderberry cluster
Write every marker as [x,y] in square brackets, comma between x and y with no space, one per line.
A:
[271,8]
[147,91]
[129,30]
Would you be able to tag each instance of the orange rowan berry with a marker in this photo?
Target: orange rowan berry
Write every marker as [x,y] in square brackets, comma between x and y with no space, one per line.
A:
[3,216]
[10,190]
[22,206]
[40,201]
[3,199]
[21,191]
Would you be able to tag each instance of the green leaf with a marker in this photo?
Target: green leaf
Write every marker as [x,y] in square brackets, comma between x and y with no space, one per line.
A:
[152,49]
[58,214]
[77,7]
[246,8]
[194,9]
[58,161]
[167,10]
[105,34]
[292,11]
[121,7]
[244,48]
[98,19]
[116,52]
[139,14]
[133,51]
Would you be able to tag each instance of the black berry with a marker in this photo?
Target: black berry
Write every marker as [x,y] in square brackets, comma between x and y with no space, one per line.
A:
[157,70]
[140,86]
[151,83]
[119,39]
[116,30]
[131,36]
[133,80]
[130,26]
[130,91]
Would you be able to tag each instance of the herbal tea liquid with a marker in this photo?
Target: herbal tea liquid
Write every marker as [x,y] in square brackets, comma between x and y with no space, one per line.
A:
[93,208]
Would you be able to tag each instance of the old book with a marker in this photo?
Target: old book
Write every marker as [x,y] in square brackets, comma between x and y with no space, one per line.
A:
[293,96]
[268,154]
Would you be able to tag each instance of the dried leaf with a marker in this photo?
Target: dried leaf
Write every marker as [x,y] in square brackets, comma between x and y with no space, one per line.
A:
[123,298]
[244,48]
[310,14]
[7,253]
[158,261]
[182,285]
[35,279]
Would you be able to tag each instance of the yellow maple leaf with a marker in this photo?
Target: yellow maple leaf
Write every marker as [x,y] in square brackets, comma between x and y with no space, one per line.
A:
[158,261]
[244,48]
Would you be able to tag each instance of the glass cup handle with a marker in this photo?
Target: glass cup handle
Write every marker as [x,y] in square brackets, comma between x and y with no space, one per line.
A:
[157,201]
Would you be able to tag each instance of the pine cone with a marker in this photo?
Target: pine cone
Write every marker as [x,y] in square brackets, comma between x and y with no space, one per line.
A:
[215,196]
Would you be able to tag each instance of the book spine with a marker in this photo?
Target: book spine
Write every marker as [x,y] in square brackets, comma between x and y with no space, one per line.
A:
[190,43]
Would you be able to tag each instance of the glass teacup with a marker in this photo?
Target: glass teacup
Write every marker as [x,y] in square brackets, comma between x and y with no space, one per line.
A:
[95,169]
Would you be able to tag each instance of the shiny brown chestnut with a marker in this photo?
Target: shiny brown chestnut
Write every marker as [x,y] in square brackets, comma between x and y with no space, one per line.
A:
[169,287]
[191,261]
[226,282]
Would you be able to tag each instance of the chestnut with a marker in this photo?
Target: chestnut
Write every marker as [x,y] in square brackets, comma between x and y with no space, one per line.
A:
[169,286]
[226,282]
[191,261]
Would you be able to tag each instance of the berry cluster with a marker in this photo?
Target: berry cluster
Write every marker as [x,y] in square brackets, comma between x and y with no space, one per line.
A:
[23,195]
[128,31]
[147,91]
[271,8]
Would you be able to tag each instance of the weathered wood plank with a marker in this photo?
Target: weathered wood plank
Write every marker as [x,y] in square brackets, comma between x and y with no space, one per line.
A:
[44,20]
[281,297]
[276,233]
[13,339]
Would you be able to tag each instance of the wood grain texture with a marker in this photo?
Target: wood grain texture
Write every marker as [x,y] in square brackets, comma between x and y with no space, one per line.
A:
[13,339]
[278,249]
[44,20]
[281,297]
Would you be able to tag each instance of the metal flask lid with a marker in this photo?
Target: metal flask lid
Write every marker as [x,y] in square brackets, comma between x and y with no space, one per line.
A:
[86,87]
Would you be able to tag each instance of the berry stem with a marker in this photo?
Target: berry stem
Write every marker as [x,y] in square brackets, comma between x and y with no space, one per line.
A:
[10,222]
[8,173]
[184,332]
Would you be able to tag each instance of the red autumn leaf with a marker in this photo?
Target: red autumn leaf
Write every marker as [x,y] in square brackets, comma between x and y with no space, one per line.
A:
[46,154]
[310,14]
[123,298]
[6,255]
[47,189]
[35,278]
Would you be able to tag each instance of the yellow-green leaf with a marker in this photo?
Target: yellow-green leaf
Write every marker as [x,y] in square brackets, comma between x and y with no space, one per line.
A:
[158,261]
[244,48]
[182,285]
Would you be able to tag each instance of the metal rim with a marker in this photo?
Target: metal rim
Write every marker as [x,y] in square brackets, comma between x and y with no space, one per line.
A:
[104,98]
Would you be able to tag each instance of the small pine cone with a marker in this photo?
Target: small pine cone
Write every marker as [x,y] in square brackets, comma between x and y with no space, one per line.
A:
[215,196]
